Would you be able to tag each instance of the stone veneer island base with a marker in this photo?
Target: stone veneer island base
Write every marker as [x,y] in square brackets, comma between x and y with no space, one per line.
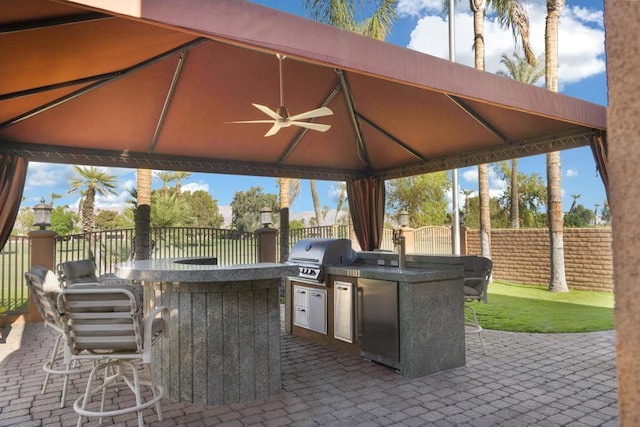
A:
[224,341]
[430,299]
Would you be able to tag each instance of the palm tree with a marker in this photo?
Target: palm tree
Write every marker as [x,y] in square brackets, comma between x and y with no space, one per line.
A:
[343,14]
[54,196]
[289,190]
[467,202]
[511,14]
[343,195]
[575,200]
[143,215]
[519,69]
[557,280]
[89,182]
[179,177]
[316,203]
[514,216]
[166,177]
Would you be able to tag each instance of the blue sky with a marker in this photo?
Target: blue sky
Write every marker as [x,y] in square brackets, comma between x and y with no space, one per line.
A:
[421,26]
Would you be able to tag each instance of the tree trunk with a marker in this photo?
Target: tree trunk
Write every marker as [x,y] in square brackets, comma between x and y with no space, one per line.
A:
[284,218]
[316,203]
[88,204]
[554,9]
[515,198]
[88,224]
[343,194]
[478,7]
[557,279]
[143,215]
[485,212]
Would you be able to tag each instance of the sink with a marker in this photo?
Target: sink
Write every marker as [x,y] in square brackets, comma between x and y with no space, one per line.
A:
[198,261]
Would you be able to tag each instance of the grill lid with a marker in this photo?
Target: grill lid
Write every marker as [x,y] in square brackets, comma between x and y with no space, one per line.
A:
[322,252]
[312,254]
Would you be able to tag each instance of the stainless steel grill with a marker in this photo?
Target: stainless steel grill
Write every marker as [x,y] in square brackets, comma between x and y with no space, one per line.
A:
[312,255]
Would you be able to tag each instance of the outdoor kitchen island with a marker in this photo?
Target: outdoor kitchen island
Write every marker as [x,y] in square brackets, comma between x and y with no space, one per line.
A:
[224,321]
[410,319]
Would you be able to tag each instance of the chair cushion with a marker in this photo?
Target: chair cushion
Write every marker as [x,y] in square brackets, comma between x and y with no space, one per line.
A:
[51,284]
[81,271]
[471,292]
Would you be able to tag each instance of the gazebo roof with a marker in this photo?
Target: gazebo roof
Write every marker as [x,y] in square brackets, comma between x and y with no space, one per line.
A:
[155,83]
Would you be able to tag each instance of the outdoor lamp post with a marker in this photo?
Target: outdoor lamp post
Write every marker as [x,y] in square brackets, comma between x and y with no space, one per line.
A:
[406,232]
[403,218]
[266,237]
[265,217]
[42,214]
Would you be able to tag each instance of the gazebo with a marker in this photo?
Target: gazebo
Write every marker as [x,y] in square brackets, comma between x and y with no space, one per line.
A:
[156,84]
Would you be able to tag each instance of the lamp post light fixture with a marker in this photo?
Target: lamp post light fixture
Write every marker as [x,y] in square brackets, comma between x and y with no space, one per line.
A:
[265,217]
[42,213]
[403,218]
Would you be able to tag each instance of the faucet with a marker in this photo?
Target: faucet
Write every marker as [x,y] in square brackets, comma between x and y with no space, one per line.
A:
[399,243]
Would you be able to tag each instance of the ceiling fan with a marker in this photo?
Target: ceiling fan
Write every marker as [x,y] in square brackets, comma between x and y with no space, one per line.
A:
[282,119]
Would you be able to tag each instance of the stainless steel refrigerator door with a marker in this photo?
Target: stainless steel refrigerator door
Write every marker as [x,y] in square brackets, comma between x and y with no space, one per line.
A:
[378,324]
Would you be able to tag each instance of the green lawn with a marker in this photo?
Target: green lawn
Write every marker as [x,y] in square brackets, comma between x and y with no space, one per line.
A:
[520,308]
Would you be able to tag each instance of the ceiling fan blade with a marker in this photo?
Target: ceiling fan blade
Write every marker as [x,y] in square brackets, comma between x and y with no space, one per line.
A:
[313,126]
[274,129]
[318,112]
[268,111]
[252,121]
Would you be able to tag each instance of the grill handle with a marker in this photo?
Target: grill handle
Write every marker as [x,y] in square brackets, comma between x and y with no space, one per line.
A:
[359,327]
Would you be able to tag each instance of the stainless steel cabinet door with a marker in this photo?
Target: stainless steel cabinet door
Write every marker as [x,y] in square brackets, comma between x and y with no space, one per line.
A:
[343,311]
[318,310]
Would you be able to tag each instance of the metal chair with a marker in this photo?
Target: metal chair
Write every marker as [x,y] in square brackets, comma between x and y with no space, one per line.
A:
[83,271]
[105,324]
[42,283]
[79,271]
[476,282]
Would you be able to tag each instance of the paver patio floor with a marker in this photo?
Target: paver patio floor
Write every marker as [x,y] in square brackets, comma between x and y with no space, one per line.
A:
[527,379]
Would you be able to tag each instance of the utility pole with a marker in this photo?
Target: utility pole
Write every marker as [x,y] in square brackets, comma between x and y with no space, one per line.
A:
[455,227]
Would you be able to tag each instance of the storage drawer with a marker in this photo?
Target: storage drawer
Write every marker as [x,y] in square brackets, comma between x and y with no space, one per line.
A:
[310,308]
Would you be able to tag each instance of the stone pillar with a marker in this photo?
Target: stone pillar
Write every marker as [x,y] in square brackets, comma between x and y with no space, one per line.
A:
[267,247]
[409,239]
[623,135]
[463,240]
[42,248]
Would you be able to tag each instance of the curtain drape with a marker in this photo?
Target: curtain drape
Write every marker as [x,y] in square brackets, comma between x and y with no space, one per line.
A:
[600,151]
[13,173]
[366,204]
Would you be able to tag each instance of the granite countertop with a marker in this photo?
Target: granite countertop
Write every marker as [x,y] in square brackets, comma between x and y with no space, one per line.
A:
[410,275]
[171,270]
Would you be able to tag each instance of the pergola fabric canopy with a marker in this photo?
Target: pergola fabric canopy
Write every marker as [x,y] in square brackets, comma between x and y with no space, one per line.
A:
[155,84]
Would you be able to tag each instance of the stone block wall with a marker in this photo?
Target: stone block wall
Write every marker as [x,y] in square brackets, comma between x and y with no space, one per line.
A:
[522,256]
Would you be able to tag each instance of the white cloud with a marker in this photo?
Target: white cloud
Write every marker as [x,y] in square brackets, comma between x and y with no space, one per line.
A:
[415,8]
[581,37]
[46,175]
[112,202]
[195,186]
[334,193]
[129,184]
[570,173]
[470,175]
